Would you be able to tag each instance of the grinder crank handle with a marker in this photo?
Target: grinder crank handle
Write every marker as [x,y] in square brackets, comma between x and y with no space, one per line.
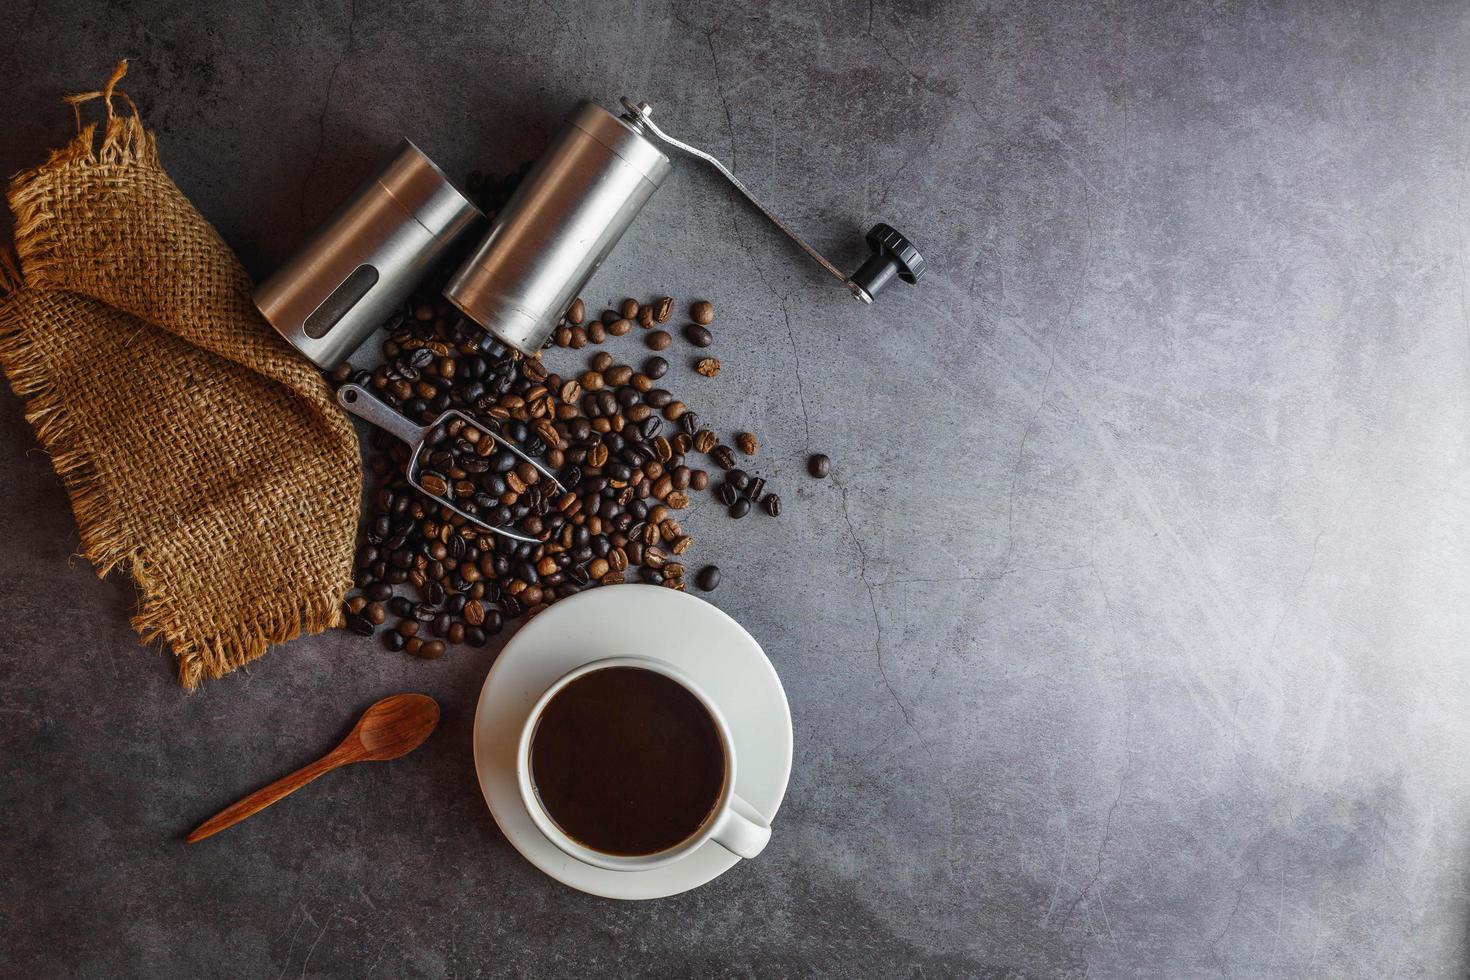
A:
[890,253]
[370,408]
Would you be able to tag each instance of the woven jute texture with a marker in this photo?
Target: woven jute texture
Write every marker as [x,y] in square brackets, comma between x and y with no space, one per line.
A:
[202,456]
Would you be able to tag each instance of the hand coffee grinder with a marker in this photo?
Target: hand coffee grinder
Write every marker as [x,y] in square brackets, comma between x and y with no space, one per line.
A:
[542,247]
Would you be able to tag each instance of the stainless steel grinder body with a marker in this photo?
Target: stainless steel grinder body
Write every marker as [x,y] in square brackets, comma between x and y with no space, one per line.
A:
[364,261]
[564,218]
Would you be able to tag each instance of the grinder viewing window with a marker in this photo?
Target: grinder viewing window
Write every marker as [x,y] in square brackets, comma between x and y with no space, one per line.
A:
[542,247]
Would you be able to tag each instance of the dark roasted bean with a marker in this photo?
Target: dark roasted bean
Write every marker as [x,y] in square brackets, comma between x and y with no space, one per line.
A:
[655,367]
[723,456]
[740,508]
[819,465]
[698,336]
[359,625]
[772,504]
[708,578]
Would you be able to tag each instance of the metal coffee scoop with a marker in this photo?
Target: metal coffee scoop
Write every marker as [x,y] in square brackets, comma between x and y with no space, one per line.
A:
[367,406]
[576,203]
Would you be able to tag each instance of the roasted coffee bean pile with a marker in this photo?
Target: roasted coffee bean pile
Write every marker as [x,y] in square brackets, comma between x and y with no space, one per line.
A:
[622,447]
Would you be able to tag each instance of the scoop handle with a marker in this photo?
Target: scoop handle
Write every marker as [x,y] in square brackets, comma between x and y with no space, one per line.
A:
[370,408]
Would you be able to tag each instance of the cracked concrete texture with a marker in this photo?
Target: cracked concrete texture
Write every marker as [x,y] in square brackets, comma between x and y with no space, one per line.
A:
[1128,637]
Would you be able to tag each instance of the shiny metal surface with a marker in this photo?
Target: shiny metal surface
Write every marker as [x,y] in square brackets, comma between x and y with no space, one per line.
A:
[370,408]
[554,232]
[366,258]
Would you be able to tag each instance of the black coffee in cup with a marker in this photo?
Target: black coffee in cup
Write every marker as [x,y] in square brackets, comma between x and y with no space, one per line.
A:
[626,761]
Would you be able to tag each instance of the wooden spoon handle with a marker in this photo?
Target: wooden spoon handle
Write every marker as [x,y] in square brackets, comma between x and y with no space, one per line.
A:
[267,795]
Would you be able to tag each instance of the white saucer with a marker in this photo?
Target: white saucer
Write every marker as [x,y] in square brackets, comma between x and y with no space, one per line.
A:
[625,621]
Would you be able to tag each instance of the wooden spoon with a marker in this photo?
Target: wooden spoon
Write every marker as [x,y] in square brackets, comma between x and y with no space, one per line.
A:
[393,727]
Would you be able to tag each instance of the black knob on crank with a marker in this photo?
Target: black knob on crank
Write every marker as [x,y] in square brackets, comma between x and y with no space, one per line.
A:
[891,255]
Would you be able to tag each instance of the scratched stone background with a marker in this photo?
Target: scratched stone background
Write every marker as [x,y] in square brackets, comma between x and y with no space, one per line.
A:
[1129,637]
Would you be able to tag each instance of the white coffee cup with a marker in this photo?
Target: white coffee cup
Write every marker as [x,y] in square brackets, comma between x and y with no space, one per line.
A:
[733,823]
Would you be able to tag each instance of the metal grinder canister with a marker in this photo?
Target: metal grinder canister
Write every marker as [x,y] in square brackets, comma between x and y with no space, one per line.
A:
[355,270]
[561,222]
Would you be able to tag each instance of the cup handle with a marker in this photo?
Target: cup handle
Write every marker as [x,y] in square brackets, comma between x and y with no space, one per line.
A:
[742,830]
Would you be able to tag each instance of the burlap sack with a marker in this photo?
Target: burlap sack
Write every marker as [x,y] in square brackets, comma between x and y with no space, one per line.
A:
[201,454]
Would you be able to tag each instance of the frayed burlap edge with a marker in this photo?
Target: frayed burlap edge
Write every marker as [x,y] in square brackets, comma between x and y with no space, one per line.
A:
[124,142]
[103,537]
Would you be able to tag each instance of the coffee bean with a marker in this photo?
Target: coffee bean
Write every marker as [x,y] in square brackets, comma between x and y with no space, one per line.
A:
[359,625]
[378,591]
[708,366]
[739,479]
[703,312]
[698,336]
[660,340]
[629,309]
[655,368]
[619,327]
[705,440]
[747,443]
[756,489]
[698,480]
[772,504]
[740,508]
[393,641]
[723,456]
[663,309]
[819,465]
[596,331]
[727,494]
[578,311]
[431,650]
[646,317]
[708,578]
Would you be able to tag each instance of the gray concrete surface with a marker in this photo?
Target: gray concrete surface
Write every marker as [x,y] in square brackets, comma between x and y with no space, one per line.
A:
[1129,638]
